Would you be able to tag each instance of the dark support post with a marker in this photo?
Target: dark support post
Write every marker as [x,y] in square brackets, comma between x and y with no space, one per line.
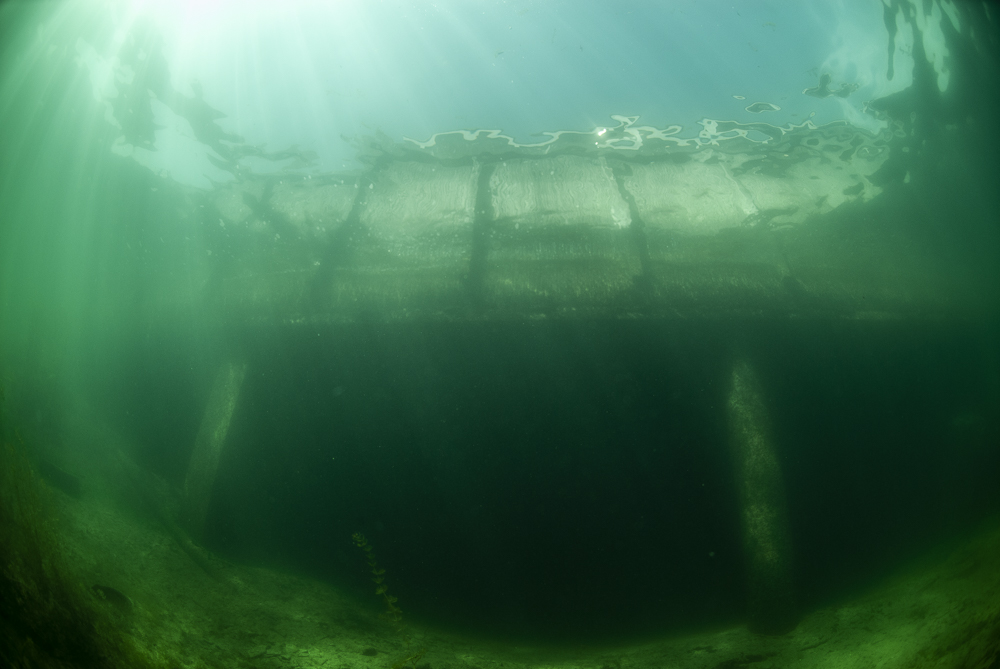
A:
[208,445]
[767,541]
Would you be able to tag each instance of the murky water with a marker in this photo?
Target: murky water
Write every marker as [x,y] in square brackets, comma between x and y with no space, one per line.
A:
[600,324]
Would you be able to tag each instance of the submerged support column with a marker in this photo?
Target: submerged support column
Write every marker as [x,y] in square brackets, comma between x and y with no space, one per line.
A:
[767,541]
[209,443]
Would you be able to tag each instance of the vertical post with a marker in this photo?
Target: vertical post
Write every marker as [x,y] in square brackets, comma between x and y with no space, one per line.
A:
[767,541]
[209,443]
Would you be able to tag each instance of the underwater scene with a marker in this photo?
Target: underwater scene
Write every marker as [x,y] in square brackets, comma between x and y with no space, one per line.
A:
[499,334]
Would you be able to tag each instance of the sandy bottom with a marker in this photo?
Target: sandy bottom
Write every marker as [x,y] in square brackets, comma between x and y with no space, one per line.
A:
[941,611]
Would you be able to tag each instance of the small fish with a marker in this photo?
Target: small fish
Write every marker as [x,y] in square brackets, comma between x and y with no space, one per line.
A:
[115,597]
[60,479]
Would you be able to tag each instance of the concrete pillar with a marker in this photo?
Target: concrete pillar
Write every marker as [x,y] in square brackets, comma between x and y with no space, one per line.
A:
[767,541]
[209,443]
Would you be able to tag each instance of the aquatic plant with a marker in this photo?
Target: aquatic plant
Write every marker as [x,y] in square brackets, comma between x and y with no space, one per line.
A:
[392,612]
